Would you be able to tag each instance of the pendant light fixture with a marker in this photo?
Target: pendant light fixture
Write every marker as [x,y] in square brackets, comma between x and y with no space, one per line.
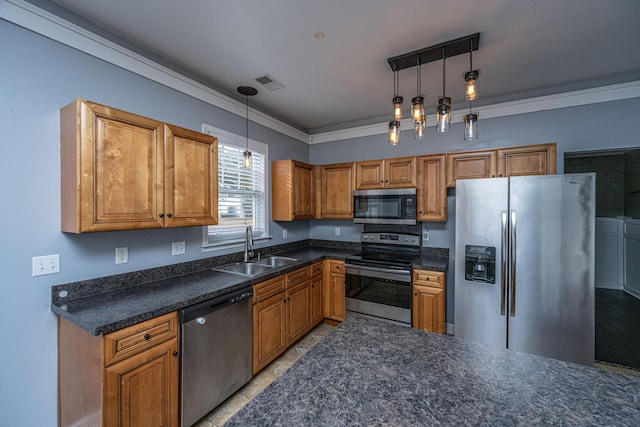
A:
[471,77]
[417,107]
[394,124]
[443,110]
[470,125]
[247,91]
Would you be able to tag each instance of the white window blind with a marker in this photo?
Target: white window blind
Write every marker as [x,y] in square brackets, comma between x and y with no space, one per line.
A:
[242,198]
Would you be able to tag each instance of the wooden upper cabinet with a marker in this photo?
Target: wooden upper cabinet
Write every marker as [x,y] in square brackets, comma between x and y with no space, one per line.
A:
[121,171]
[387,173]
[432,188]
[527,160]
[292,190]
[472,164]
[334,190]
[191,178]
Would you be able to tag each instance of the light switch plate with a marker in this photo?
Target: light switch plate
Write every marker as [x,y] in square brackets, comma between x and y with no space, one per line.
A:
[47,264]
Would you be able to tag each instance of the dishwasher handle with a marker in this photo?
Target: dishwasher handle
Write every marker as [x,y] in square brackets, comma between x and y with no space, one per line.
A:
[202,309]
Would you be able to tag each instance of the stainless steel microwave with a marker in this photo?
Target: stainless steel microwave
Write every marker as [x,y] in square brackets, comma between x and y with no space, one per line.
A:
[392,206]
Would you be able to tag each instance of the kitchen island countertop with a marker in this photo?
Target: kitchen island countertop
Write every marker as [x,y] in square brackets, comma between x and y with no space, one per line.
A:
[368,372]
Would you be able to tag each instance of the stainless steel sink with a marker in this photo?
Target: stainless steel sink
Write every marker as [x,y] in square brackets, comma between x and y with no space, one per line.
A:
[245,268]
[276,261]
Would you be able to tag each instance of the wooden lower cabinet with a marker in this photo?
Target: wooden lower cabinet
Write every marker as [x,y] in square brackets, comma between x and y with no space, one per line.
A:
[316,300]
[334,291]
[282,314]
[126,378]
[427,310]
[269,334]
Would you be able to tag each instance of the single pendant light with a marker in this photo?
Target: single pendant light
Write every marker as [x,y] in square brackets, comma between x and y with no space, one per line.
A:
[247,91]
[397,99]
[471,77]
[417,107]
[394,132]
[470,125]
[443,110]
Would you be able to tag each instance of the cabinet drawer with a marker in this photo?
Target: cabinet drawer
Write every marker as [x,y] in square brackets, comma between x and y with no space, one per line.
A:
[428,278]
[268,288]
[298,276]
[126,342]
[336,266]
[316,269]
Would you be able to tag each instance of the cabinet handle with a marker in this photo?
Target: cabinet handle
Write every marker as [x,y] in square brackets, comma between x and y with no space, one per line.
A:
[289,299]
[284,300]
[147,336]
[169,215]
[161,215]
[415,295]
[175,353]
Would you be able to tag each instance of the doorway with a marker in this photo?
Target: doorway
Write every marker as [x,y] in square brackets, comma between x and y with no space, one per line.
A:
[617,312]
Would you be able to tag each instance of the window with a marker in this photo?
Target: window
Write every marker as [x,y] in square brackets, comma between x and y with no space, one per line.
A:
[242,195]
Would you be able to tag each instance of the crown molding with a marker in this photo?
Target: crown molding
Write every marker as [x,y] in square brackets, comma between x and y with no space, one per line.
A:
[529,105]
[52,26]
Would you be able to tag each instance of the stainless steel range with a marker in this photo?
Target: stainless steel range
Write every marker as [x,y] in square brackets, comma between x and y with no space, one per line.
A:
[378,281]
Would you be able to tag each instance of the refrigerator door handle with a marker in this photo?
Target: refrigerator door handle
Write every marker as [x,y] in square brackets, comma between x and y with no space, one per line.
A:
[503,265]
[512,272]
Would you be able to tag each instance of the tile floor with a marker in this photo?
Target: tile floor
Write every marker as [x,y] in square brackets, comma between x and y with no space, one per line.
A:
[229,407]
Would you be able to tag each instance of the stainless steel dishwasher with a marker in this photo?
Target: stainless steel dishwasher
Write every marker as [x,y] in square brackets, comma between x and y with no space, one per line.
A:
[216,352]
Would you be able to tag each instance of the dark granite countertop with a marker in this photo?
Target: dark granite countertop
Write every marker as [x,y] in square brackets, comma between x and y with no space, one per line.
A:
[121,304]
[368,372]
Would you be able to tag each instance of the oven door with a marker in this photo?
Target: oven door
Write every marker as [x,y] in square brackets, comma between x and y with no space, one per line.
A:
[379,292]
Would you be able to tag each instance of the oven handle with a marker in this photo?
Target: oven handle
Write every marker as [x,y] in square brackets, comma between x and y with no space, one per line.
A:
[382,273]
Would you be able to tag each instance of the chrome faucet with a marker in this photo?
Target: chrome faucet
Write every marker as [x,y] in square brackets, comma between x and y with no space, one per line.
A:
[248,244]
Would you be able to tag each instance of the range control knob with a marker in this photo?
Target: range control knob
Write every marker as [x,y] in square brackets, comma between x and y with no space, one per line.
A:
[201,320]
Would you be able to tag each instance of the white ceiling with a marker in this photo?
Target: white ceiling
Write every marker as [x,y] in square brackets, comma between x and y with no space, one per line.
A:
[526,46]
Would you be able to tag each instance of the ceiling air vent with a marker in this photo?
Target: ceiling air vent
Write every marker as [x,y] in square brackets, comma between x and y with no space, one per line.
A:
[269,82]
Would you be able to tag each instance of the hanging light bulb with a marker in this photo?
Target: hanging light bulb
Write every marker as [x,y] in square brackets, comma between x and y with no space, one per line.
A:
[471,77]
[417,107]
[443,110]
[247,91]
[470,125]
[394,132]
[397,99]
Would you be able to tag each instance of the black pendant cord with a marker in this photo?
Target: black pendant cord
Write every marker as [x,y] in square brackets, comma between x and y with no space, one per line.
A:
[247,101]
[444,74]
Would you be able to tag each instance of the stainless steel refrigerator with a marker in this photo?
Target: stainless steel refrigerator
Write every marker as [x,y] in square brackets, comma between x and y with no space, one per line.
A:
[524,266]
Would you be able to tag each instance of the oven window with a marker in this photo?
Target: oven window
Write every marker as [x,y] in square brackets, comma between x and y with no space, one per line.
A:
[381,291]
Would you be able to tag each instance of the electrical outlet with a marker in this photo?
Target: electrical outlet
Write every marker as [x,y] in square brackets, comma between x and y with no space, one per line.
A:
[425,234]
[178,248]
[47,264]
[122,255]
[284,233]
[337,231]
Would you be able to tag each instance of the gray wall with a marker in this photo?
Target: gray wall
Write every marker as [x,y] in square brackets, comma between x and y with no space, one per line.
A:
[40,76]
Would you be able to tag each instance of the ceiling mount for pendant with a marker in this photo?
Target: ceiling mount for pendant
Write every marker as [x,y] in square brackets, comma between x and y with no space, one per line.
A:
[435,53]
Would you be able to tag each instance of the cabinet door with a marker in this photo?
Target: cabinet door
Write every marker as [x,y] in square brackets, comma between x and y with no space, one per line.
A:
[298,311]
[269,335]
[143,389]
[335,198]
[432,188]
[303,191]
[400,173]
[111,169]
[316,300]
[191,178]
[472,164]
[369,174]
[527,160]
[427,310]
[334,292]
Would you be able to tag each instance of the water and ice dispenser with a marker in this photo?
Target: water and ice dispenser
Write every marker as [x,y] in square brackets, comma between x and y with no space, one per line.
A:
[480,264]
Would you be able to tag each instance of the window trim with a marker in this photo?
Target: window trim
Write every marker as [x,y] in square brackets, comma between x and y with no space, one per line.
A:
[254,146]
